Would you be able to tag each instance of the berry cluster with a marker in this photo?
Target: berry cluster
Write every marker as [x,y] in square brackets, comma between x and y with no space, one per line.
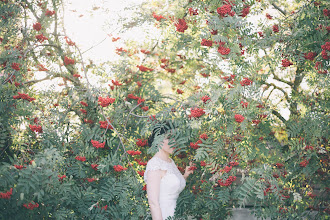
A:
[41,38]
[310,56]
[158,17]
[19,167]
[245,11]
[279,165]
[179,91]
[49,13]
[60,178]
[23,96]
[246,82]
[6,195]
[141,173]
[91,179]
[239,118]
[105,125]
[309,148]
[207,43]
[104,102]
[119,168]
[197,112]
[80,158]
[181,25]
[36,128]
[15,66]
[132,152]
[193,168]
[203,136]
[325,47]
[223,50]
[225,9]
[205,98]
[41,67]
[275,28]
[227,169]
[141,163]
[304,163]
[193,11]
[68,61]
[83,111]
[228,182]
[31,206]
[141,142]
[84,103]
[97,144]
[244,104]
[195,145]
[233,163]
[120,50]
[286,63]
[94,166]
[37,26]
[143,68]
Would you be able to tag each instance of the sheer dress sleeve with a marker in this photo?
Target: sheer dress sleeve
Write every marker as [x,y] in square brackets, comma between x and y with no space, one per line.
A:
[157,164]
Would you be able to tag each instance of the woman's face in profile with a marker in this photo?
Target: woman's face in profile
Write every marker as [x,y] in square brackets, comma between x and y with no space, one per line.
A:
[167,146]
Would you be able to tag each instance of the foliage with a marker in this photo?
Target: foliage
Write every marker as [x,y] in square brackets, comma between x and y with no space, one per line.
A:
[67,153]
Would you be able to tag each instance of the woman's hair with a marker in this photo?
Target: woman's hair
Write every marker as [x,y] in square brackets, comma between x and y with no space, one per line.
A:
[160,129]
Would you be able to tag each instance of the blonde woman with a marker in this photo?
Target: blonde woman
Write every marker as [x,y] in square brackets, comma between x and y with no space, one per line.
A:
[164,180]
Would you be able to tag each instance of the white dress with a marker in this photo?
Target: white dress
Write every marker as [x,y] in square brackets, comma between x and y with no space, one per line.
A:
[171,185]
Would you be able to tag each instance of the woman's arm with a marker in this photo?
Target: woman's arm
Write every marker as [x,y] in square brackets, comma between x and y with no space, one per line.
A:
[153,186]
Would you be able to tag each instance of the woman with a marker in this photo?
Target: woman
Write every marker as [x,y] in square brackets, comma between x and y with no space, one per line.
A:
[164,180]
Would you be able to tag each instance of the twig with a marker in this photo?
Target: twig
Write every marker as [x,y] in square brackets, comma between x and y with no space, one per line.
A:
[130,114]
[95,45]
[139,116]
[83,65]
[99,42]
[9,78]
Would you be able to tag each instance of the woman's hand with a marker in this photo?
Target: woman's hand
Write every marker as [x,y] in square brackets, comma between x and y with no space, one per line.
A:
[189,169]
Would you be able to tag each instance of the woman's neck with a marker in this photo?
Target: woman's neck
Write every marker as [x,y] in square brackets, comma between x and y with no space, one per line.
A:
[163,155]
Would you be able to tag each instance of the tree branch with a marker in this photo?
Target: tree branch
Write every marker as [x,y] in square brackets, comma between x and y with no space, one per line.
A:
[281,80]
[274,75]
[279,9]
[270,93]
[36,81]
[297,81]
[279,88]
[279,116]
[139,116]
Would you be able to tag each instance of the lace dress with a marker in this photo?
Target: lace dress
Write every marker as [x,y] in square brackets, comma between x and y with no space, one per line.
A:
[171,185]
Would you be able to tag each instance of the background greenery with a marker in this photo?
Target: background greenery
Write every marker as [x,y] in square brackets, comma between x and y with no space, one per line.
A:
[254,97]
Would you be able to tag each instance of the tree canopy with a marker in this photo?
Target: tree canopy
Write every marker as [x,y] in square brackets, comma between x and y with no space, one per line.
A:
[243,85]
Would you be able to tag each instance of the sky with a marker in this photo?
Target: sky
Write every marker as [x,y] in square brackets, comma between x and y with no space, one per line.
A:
[89,30]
